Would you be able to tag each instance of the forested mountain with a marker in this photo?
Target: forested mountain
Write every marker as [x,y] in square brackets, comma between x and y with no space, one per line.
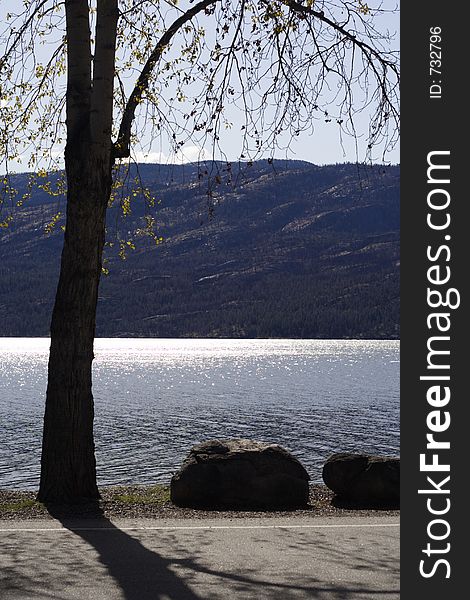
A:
[269,249]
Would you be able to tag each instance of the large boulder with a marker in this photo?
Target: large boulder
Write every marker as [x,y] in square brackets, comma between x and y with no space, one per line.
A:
[363,478]
[240,474]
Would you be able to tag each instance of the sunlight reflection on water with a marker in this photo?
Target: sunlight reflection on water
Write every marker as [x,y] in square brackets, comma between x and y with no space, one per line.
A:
[155,398]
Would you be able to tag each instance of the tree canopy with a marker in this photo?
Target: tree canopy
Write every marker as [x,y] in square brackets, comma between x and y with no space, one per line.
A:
[187,71]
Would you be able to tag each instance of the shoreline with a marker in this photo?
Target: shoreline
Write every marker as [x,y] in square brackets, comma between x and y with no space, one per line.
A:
[143,501]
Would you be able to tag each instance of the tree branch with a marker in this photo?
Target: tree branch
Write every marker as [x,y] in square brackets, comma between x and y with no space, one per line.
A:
[366,48]
[121,147]
[79,68]
[20,33]
[103,72]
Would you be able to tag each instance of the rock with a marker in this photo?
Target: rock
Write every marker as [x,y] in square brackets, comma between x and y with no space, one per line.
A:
[240,474]
[364,478]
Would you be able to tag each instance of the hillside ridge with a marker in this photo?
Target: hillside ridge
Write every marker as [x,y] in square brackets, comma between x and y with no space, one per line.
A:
[271,249]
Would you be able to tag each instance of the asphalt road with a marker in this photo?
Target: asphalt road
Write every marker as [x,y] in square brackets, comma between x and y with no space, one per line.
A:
[243,559]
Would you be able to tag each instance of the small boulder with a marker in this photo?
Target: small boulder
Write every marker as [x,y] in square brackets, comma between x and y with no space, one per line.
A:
[240,474]
[362,478]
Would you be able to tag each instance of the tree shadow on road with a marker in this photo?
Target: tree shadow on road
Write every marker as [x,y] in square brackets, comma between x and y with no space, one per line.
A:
[141,574]
[181,566]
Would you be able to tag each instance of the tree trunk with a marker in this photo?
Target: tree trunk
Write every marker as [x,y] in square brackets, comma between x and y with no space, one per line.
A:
[68,467]
[68,471]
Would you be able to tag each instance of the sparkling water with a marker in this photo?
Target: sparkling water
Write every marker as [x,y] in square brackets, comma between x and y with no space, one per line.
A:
[155,398]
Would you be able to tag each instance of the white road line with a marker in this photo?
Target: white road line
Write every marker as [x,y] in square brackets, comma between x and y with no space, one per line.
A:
[196,527]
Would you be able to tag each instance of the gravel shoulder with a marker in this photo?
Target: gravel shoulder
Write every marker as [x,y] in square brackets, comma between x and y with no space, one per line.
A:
[139,501]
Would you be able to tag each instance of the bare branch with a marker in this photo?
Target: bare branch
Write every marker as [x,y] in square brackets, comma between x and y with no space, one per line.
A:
[122,145]
[20,33]
[366,48]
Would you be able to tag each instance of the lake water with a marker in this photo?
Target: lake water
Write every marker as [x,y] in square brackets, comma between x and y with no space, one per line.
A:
[155,398]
